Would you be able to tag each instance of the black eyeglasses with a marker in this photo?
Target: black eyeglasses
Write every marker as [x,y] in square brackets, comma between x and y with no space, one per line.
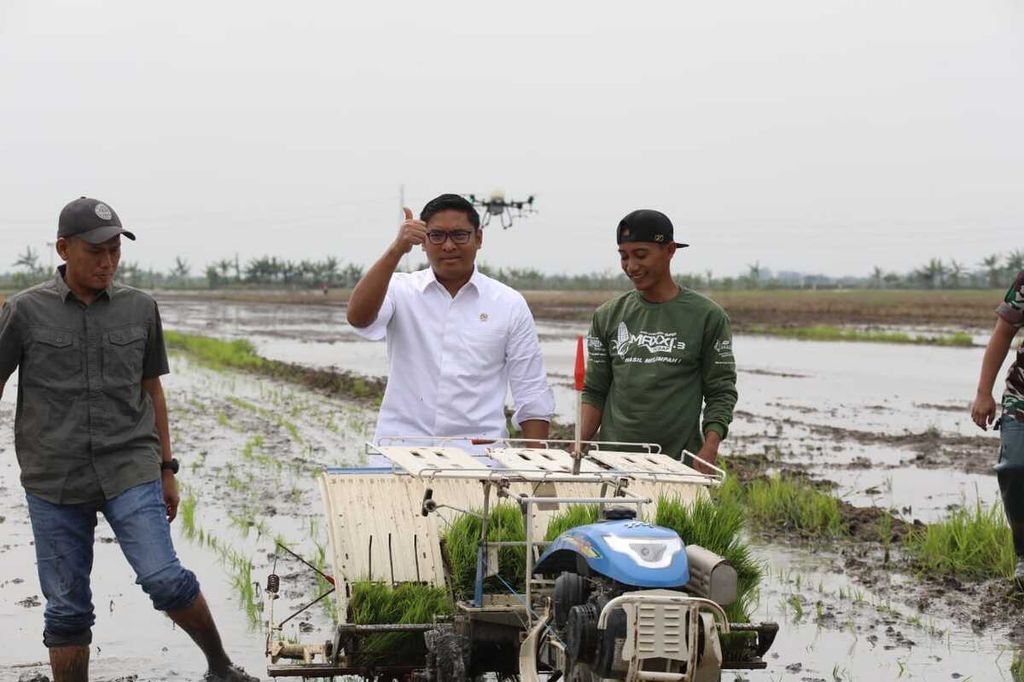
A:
[437,237]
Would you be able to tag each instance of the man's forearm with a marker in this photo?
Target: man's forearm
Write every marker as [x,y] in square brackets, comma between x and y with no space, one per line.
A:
[368,295]
[535,429]
[590,422]
[156,393]
[995,354]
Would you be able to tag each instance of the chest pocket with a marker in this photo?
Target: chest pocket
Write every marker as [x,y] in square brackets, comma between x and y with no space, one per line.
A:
[485,348]
[53,359]
[123,352]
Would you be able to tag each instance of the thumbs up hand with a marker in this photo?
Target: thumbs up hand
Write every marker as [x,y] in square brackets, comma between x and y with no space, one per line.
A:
[411,233]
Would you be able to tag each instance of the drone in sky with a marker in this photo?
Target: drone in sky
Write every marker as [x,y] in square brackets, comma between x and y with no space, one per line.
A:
[506,209]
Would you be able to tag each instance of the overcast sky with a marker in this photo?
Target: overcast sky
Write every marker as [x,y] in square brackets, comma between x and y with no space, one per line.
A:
[813,135]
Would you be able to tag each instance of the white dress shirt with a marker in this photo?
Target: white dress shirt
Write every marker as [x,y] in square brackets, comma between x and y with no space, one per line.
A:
[453,359]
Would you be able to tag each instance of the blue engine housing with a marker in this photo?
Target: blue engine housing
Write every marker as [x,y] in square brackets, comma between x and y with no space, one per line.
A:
[631,552]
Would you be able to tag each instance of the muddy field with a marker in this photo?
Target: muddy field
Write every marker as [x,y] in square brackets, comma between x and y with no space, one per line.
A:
[864,307]
[886,425]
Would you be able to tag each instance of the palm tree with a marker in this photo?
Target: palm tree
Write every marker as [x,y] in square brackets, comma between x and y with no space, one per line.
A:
[933,274]
[329,270]
[223,267]
[956,272]
[876,276]
[992,269]
[181,269]
[1014,263]
[754,274]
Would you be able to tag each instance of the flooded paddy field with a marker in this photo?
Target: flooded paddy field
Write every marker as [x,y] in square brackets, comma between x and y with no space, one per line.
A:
[886,424]
[251,450]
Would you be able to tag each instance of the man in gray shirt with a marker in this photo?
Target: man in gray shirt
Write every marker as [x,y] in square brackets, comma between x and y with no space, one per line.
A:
[91,435]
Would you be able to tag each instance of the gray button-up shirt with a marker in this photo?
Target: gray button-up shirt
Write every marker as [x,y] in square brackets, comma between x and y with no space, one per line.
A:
[84,428]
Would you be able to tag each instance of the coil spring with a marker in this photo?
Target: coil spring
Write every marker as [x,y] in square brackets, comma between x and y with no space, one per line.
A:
[273,583]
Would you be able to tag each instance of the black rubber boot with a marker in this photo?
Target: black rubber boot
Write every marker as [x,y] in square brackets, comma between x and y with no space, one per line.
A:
[1011,488]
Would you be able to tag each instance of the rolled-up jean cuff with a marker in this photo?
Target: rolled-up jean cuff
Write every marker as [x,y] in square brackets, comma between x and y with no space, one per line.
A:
[181,595]
[54,639]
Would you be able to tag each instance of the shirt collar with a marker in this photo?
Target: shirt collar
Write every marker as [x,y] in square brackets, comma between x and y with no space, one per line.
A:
[429,278]
[63,290]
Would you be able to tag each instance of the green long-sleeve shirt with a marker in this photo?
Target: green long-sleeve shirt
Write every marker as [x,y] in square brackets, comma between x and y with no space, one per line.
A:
[653,366]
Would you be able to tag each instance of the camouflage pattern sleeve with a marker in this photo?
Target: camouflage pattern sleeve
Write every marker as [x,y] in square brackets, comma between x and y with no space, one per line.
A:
[599,366]
[1012,308]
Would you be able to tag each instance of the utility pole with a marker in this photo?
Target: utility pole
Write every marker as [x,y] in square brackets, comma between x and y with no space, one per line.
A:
[50,246]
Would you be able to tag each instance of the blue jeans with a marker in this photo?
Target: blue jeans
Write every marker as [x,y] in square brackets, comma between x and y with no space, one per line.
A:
[64,540]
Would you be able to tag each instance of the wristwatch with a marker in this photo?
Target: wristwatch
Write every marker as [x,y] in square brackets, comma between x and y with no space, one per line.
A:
[171,466]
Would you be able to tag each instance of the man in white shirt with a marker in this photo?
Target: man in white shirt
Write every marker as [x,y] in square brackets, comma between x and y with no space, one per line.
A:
[457,340]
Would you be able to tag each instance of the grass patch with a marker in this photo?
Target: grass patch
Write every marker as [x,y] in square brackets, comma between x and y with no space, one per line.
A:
[241,355]
[375,603]
[777,502]
[832,333]
[971,543]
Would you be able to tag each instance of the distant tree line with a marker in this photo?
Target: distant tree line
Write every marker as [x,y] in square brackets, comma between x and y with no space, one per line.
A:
[993,272]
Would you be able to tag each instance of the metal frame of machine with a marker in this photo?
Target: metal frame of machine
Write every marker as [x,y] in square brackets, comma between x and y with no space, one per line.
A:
[667,635]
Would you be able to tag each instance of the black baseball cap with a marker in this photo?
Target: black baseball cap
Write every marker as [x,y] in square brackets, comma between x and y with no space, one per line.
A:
[646,225]
[90,219]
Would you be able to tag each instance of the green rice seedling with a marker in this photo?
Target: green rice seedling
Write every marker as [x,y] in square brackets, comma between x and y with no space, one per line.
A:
[215,353]
[462,539]
[973,544]
[716,526]
[187,512]
[885,535]
[405,603]
[234,482]
[571,516]
[797,606]
[1017,667]
[793,504]
[198,462]
[245,586]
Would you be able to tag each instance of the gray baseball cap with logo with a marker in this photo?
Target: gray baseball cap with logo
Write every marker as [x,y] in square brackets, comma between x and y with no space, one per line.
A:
[91,220]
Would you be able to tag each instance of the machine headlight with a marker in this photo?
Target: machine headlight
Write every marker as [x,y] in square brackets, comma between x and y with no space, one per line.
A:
[647,552]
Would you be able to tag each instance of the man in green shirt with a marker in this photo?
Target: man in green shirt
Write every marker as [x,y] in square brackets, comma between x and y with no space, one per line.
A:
[658,354]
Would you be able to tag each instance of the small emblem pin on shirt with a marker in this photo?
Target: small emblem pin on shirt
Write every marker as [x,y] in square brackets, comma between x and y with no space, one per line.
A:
[483,317]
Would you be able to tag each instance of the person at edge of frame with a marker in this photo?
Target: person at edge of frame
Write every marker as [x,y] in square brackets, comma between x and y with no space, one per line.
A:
[658,354]
[91,435]
[457,339]
[1010,463]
